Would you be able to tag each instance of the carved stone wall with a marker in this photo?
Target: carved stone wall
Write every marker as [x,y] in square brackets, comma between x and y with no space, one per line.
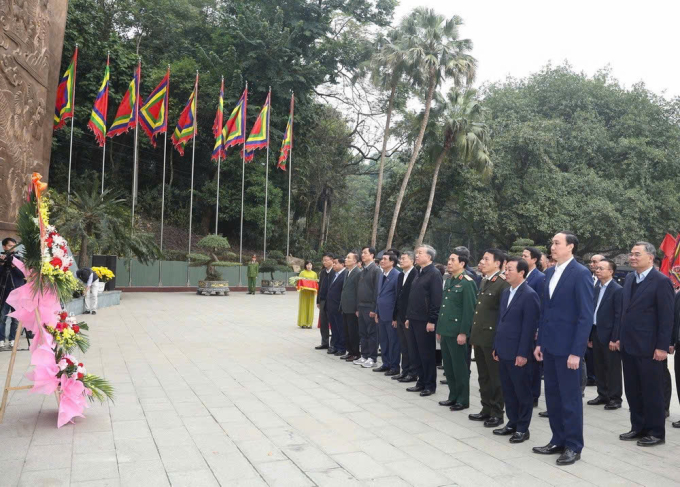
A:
[31,41]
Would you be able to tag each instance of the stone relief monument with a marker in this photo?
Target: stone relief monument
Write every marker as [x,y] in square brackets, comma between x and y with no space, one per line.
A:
[31,41]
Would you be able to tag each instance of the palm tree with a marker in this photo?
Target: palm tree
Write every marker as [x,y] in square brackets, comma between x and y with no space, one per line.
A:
[466,133]
[434,52]
[102,219]
[388,68]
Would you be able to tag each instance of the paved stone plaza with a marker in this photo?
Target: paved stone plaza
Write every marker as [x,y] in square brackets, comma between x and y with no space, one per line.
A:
[228,391]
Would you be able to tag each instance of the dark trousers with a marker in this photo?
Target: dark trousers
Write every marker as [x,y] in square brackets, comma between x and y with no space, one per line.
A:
[351,333]
[516,384]
[676,366]
[535,370]
[338,337]
[368,331]
[489,382]
[427,346]
[607,371]
[403,335]
[590,364]
[454,359]
[323,323]
[643,379]
[413,353]
[14,323]
[667,386]
[563,398]
[389,344]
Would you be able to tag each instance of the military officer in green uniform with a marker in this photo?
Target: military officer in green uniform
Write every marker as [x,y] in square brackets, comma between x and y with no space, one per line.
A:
[453,329]
[253,269]
[482,338]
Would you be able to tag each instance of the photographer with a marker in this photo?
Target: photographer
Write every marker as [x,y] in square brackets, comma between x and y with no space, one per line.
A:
[10,279]
[91,281]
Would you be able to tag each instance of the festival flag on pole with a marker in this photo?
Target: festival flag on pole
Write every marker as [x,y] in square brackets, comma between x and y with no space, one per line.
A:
[126,116]
[185,125]
[218,150]
[287,143]
[234,130]
[63,109]
[259,135]
[152,115]
[97,123]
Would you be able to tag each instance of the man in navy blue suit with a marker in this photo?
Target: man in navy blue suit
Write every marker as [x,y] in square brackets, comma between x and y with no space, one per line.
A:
[563,330]
[535,279]
[517,323]
[384,312]
[607,317]
[333,308]
[644,338]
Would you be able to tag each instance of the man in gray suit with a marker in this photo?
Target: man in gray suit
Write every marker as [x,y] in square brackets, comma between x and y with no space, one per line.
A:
[348,304]
[367,294]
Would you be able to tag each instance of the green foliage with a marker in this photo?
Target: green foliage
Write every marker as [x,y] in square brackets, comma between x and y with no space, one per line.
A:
[214,243]
[520,244]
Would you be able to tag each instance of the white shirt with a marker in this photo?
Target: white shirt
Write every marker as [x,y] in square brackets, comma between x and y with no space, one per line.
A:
[337,274]
[603,288]
[406,273]
[513,290]
[641,276]
[527,276]
[559,270]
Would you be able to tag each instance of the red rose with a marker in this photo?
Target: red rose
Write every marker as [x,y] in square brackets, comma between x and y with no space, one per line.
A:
[49,241]
[68,361]
[75,328]
[56,262]
[80,364]
[63,315]
[80,375]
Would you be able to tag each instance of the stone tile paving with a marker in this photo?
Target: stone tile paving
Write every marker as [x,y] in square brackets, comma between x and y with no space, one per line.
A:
[228,391]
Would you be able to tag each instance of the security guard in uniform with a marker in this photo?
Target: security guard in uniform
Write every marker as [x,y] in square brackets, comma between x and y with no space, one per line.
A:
[453,329]
[483,335]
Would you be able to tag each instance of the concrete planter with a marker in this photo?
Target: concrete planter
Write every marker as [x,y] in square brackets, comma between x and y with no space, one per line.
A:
[272,287]
[210,288]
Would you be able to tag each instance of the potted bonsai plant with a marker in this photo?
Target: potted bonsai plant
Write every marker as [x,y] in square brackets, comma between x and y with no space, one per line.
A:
[216,251]
[275,262]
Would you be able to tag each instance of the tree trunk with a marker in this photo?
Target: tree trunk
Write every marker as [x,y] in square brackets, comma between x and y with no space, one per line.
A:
[386,135]
[82,258]
[323,221]
[435,175]
[414,156]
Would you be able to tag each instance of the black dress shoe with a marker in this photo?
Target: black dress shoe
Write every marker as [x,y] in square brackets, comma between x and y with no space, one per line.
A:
[440,367]
[493,422]
[569,457]
[597,401]
[447,403]
[339,353]
[392,373]
[345,357]
[543,414]
[415,388]
[426,392]
[650,441]
[445,382]
[611,405]
[478,417]
[352,358]
[321,347]
[518,437]
[676,424]
[591,382]
[382,368]
[408,378]
[458,407]
[331,350]
[535,403]
[548,449]
[505,431]
[400,376]
[631,435]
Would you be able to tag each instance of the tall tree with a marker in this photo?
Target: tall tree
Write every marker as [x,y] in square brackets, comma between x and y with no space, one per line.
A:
[462,117]
[436,52]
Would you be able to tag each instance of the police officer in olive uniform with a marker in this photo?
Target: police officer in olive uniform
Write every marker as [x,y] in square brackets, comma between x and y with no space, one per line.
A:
[483,335]
[453,329]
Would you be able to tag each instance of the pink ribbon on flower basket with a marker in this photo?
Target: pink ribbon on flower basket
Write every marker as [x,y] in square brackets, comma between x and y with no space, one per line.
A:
[34,310]
[44,376]
[72,402]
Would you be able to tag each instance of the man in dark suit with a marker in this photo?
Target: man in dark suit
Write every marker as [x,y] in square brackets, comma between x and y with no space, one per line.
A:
[348,304]
[333,307]
[410,363]
[424,301]
[607,317]
[563,330]
[644,339]
[324,280]
[367,292]
[535,279]
[675,340]
[517,324]
[384,311]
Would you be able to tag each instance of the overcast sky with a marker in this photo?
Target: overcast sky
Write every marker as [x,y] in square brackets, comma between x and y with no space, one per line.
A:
[639,40]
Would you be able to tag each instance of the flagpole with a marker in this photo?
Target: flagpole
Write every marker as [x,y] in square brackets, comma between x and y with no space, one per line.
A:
[219,163]
[266,179]
[243,187]
[108,53]
[134,166]
[290,172]
[73,115]
[193,154]
[165,150]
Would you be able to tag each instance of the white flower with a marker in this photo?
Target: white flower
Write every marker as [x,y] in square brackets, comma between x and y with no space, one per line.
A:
[62,364]
[58,252]
[58,241]
[81,370]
